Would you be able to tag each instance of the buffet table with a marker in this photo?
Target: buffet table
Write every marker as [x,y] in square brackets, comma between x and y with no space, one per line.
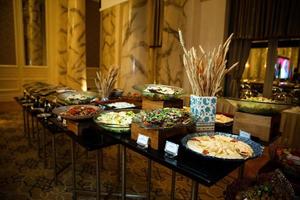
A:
[202,169]
[206,172]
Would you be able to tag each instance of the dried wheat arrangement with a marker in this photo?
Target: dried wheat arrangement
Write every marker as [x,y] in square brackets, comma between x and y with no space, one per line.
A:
[105,81]
[206,70]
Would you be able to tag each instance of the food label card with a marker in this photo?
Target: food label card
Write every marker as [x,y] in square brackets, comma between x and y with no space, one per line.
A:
[171,148]
[64,122]
[143,141]
[245,134]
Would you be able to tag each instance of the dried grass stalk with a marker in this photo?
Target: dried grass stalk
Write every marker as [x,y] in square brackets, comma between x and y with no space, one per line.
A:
[105,82]
[206,71]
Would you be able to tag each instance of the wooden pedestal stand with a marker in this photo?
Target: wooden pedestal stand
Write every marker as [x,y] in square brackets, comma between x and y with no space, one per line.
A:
[157,137]
[151,105]
[263,127]
[77,126]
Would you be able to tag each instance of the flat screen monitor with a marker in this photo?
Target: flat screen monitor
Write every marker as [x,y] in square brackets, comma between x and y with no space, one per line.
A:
[282,68]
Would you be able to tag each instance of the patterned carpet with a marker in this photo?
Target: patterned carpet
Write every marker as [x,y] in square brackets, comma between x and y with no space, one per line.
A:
[23,176]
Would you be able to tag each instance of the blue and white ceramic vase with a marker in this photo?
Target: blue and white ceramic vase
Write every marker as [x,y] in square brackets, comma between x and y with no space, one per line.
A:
[203,109]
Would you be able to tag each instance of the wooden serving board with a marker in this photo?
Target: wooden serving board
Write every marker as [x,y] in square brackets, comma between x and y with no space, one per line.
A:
[151,105]
[157,137]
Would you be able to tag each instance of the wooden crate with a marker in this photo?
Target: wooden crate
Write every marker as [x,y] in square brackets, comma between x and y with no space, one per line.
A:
[157,137]
[148,104]
[263,127]
[77,126]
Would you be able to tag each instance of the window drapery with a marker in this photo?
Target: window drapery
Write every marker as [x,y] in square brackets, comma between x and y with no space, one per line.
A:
[265,19]
[238,52]
[258,20]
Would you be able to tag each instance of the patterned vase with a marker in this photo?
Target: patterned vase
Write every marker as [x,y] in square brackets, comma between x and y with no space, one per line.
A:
[203,109]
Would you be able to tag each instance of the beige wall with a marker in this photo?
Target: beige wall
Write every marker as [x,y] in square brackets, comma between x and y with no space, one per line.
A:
[212,23]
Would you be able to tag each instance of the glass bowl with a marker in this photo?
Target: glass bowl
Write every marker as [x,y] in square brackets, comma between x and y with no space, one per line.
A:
[158,92]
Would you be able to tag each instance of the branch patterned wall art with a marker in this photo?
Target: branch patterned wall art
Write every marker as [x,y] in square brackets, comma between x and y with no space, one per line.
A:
[72,44]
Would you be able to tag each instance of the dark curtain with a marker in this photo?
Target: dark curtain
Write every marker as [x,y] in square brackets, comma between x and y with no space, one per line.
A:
[265,19]
[258,20]
[238,52]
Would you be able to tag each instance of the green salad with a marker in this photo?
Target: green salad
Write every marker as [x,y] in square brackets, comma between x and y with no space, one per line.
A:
[165,118]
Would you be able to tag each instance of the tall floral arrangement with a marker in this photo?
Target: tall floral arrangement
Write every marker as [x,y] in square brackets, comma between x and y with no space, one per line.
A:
[206,70]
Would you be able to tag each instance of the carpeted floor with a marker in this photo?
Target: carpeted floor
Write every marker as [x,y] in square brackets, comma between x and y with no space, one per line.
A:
[23,176]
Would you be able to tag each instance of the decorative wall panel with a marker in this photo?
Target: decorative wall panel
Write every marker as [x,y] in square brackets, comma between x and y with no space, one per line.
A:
[72,53]
[125,40]
[109,37]
[34,30]
[76,67]
[169,64]
[62,42]
[134,55]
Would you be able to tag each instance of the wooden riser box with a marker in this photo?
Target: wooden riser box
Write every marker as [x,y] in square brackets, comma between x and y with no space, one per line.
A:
[151,105]
[76,127]
[157,137]
[263,127]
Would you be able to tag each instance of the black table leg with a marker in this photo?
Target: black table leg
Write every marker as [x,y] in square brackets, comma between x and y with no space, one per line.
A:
[54,159]
[38,137]
[24,122]
[241,171]
[98,178]
[32,125]
[149,179]
[74,194]
[194,190]
[101,159]
[123,173]
[44,147]
[173,185]
[119,163]
[28,127]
